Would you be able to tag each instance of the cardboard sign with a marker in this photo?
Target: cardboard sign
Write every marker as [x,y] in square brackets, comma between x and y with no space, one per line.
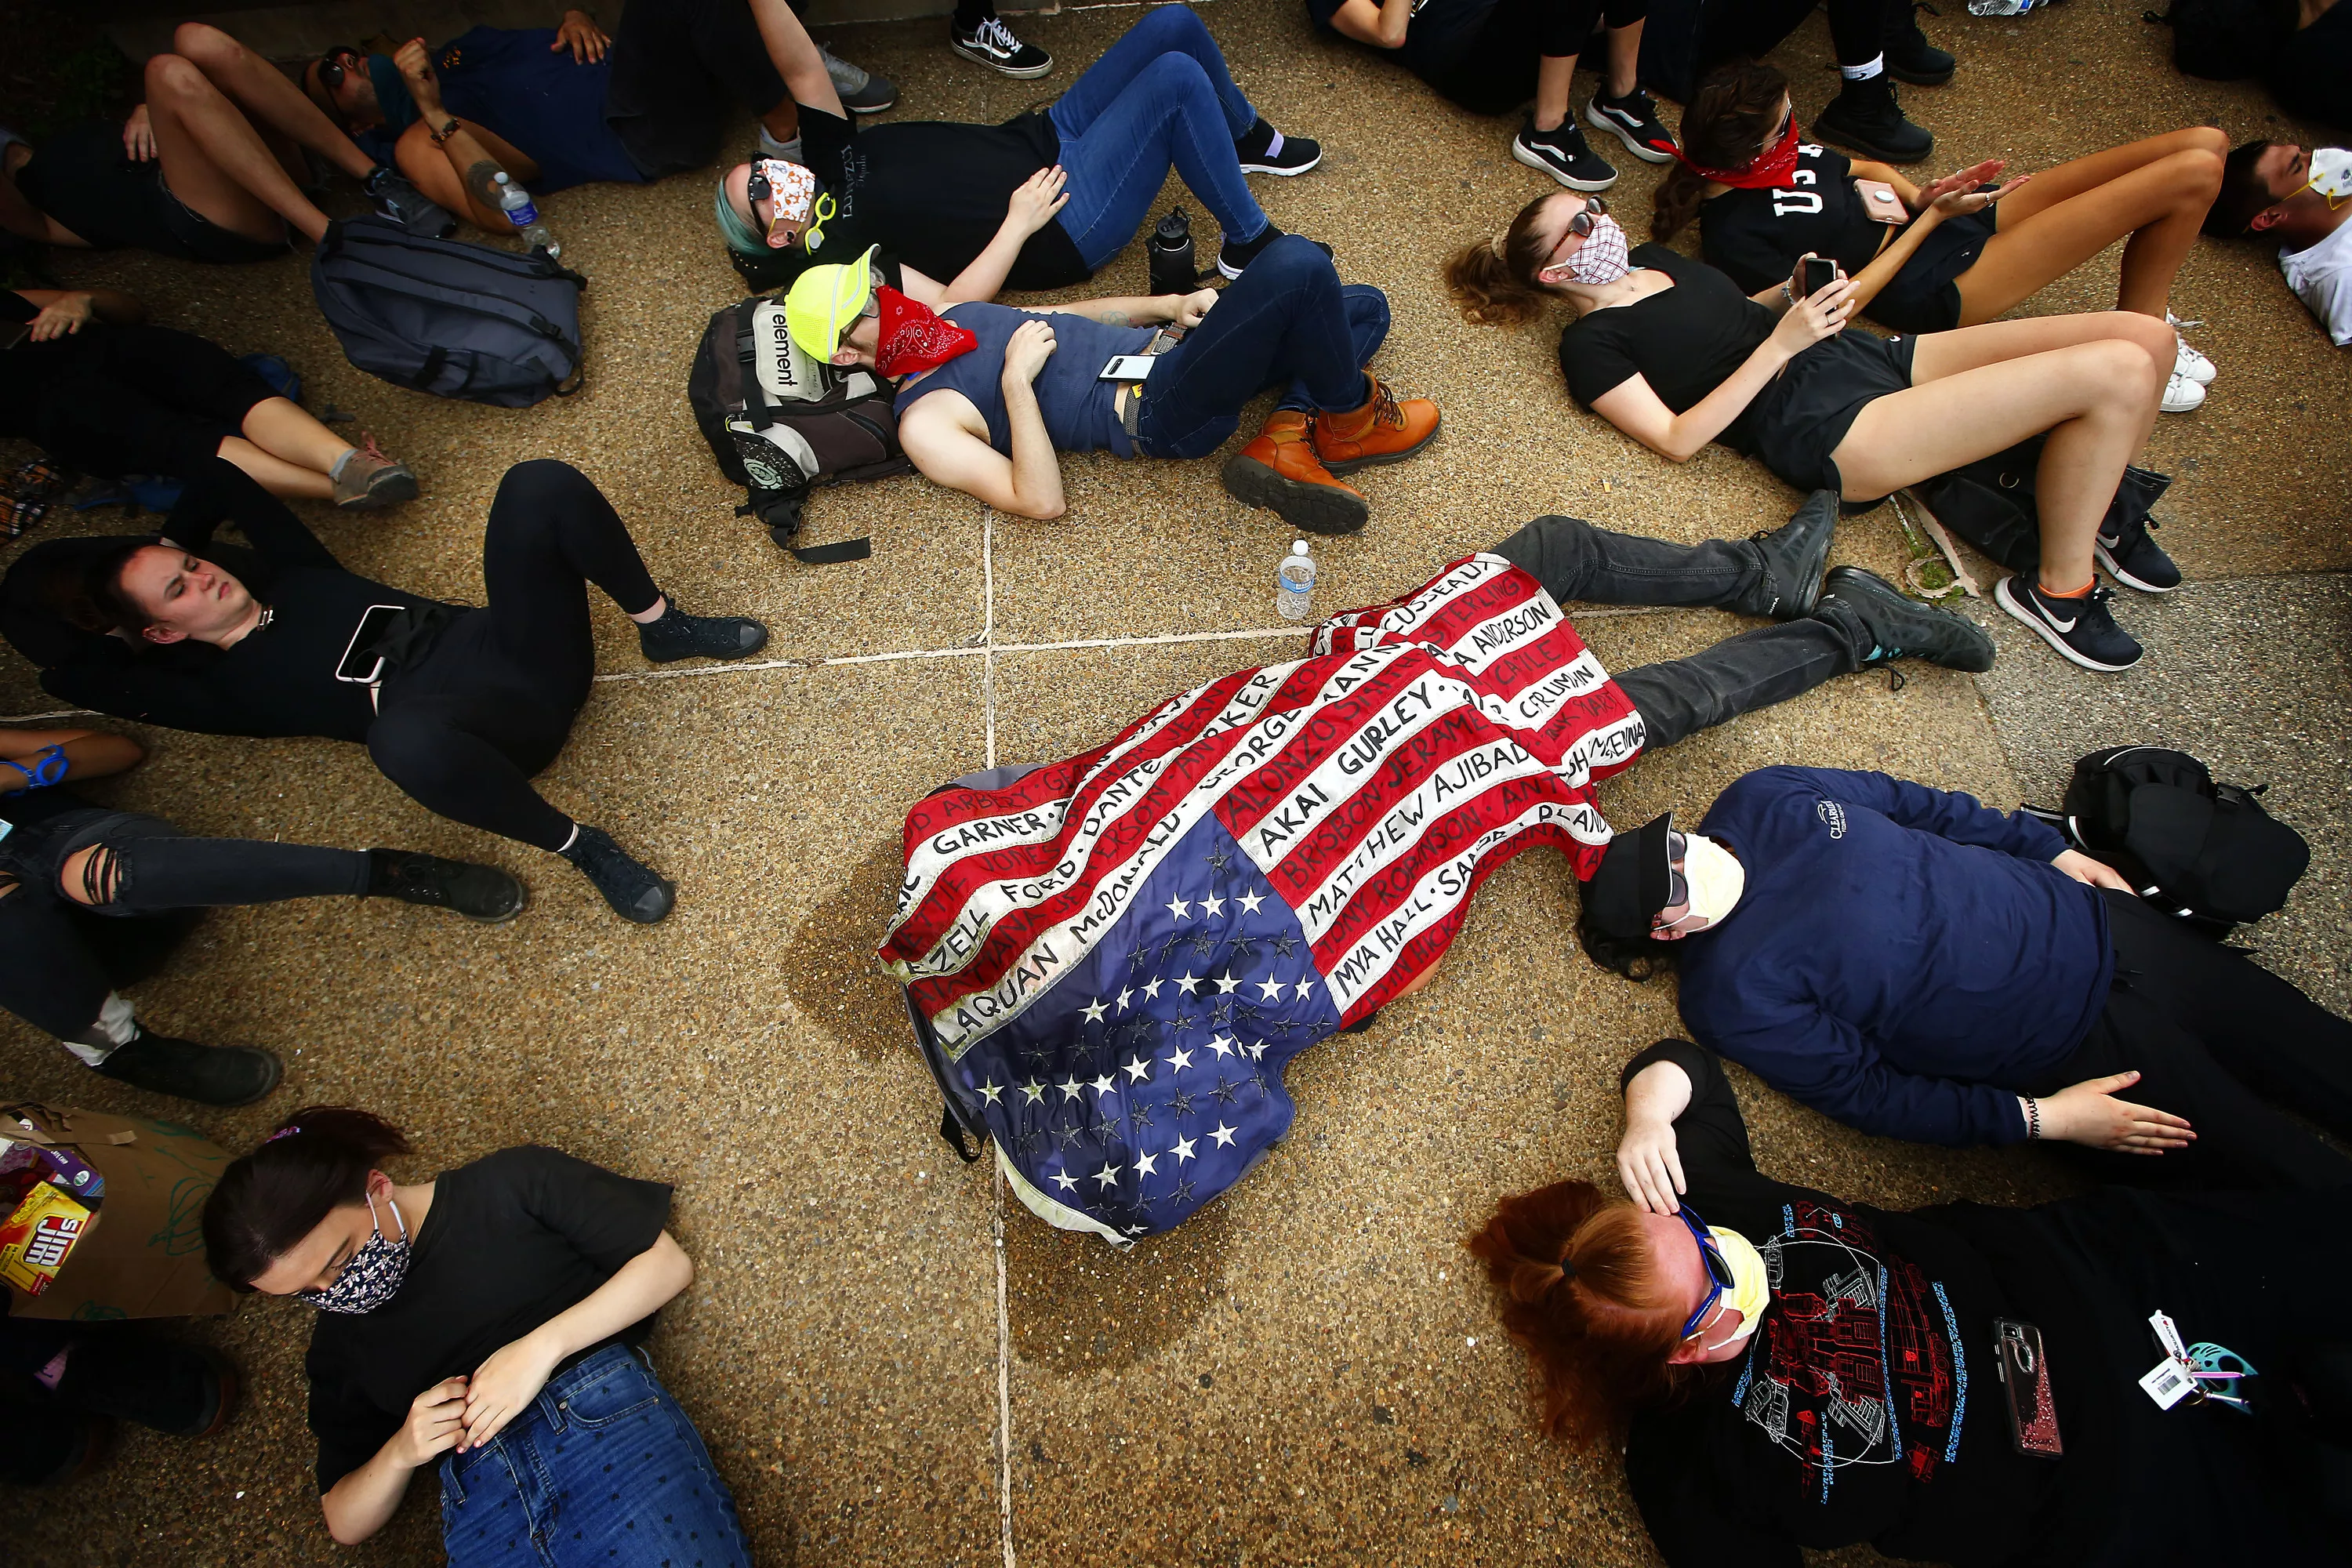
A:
[141,1252]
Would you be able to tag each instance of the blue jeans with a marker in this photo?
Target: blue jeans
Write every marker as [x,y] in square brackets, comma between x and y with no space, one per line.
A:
[530,1497]
[1287,320]
[1160,96]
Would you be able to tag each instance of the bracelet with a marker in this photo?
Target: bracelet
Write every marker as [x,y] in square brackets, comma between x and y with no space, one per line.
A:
[2032,1117]
[1785,292]
[441,136]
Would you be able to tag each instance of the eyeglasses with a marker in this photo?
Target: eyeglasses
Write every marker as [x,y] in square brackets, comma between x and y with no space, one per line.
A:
[1719,1270]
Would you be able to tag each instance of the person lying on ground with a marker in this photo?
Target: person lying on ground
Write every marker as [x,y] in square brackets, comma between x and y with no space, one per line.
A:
[1763,198]
[104,393]
[1491,56]
[1795,1370]
[1344,807]
[73,1381]
[989,394]
[1674,354]
[213,166]
[460,706]
[492,1318]
[962,203]
[2300,202]
[1918,965]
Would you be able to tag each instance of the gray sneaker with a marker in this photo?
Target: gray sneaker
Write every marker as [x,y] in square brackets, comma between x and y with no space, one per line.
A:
[366,478]
[862,92]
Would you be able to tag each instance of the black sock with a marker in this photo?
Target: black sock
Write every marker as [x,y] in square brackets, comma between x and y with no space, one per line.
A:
[970,13]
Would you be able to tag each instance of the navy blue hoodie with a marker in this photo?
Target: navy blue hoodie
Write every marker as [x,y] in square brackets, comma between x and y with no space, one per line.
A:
[1903,959]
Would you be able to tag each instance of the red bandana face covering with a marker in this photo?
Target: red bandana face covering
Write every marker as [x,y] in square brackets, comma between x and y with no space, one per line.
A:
[910,338]
[1769,170]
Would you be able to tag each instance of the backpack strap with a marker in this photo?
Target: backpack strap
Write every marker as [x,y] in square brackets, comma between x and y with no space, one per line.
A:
[951,1129]
[782,514]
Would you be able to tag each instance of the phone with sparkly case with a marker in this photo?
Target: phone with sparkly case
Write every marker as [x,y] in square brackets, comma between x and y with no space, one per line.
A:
[2025,1380]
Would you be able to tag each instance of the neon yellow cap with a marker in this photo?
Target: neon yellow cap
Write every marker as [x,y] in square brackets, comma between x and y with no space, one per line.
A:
[825,301]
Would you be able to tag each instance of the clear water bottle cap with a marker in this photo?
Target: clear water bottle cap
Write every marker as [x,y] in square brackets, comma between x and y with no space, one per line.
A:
[1299,547]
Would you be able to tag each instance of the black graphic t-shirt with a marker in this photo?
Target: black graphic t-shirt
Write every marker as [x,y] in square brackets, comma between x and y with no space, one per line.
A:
[1757,235]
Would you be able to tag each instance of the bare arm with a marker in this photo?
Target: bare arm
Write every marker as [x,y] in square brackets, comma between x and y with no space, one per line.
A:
[1948,198]
[65,311]
[1861,169]
[1382,25]
[475,164]
[1634,407]
[796,57]
[89,753]
[939,435]
[1123,310]
[1648,1159]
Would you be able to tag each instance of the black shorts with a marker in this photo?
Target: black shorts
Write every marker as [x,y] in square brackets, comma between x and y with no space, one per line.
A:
[1924,297]
[81,178]
[145,400]
[198,239]
[1798,421]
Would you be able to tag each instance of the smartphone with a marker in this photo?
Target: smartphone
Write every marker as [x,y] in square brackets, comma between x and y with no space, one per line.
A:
[1880,203]
[13,332]
[2025,1380]
[1127,368]
[1816,273]
[361,664]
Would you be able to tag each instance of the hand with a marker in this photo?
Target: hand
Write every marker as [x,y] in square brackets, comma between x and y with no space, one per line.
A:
[2089,1114]
[1957,194]
[1190,308]
[1036,199]
[586,40]
[67,314]
[1027,351]
[138,136]
[504,1386]
[2095,873]
[435,1421]
[1821,314]
[1649,1165]
[416,64]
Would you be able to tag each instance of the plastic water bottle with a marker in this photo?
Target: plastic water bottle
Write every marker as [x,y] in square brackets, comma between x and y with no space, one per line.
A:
[521,212]
[2000,8]
[1293,582]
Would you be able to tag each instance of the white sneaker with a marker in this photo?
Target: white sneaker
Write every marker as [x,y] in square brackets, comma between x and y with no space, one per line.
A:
[2182,393]
[2188,361]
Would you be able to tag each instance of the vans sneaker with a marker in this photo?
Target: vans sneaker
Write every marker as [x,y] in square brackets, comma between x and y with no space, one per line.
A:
[2081,629]
[1564,155]
[992,45]
[2135,559]
[1633,119]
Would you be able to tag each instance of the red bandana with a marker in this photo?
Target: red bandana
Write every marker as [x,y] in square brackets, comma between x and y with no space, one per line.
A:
[1769,170]
[910,338]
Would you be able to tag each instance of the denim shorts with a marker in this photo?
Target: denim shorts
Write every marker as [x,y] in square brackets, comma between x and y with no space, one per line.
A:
[604,1469]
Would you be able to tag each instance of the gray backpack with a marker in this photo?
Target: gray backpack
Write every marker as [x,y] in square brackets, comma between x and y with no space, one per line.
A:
[449,318]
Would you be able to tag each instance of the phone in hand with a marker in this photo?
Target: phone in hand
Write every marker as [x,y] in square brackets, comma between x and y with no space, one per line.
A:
[361,665]
[1814,274]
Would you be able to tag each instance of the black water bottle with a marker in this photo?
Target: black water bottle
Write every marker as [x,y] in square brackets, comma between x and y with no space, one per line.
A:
[1171,254]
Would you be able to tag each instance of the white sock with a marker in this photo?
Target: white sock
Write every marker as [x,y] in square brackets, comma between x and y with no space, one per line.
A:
[1863,72]
[789,151]
[115,1028]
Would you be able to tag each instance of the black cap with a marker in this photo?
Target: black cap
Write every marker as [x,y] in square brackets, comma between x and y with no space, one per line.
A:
[1629,887]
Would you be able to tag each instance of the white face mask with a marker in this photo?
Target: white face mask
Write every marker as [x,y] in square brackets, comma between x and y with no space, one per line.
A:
[1717,879]
[1751,1289]
[2331,174]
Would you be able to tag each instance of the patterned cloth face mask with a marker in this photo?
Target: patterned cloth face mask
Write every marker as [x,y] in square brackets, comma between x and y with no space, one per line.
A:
[1603,258]
[373,1274]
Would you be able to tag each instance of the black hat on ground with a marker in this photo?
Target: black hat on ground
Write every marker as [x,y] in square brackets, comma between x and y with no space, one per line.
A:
[1631,886]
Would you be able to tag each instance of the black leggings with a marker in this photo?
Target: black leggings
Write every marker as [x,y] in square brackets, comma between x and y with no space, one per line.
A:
[61,958]
[1858,28]
[1498,73]
[492,705]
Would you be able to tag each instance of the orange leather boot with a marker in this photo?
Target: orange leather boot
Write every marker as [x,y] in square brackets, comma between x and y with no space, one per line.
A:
[1382,431]
[1280,472]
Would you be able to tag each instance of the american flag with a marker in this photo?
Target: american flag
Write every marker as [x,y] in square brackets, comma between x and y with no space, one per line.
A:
[1110,959]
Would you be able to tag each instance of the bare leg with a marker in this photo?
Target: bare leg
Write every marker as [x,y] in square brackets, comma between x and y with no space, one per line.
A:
[2157,204]
[1555,74]
[432,170]
[1624,58]
[275,474]
[2092,382]
[282,429]
[268,98]
[215,161]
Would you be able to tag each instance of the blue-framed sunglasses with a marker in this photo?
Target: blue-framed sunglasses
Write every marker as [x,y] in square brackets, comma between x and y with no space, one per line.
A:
[1718,1270]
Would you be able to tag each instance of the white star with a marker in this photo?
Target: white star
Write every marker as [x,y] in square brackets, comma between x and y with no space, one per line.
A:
[1147,1164]
[1151,992]
[1136,1229]
[1104,1084]
[1137,1069]
[1303,986]
[1108,1175]
[1034,1090]
[1223,1045]
[1224,1135]
[990,1090]
[1189,983]
[1228,984]
[1183,1150]
[1069,1087]
[1180,1058]
[1095,1012]
[1250,901]
[1272,989]
[1257,1051]
[1180,907]
[1123,995]
[1066,1181]
[1212,907]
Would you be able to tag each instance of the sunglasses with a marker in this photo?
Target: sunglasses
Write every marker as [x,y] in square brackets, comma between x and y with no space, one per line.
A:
[336,64]
[1719,1270]
[1584,223]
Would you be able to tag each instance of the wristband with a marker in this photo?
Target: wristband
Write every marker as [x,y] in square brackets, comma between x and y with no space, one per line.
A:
[440,138]
[49,770]
[2032,1118]
[1787,294]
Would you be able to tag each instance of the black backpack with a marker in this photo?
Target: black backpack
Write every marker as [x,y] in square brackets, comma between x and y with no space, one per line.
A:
[1990,503]
[781,423]
[2205,852]
[449,318]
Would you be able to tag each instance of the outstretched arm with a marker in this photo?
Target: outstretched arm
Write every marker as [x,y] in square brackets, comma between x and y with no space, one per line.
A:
[796,58]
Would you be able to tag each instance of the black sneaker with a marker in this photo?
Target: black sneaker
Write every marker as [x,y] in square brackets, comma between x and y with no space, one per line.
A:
[1564,155]
[481,893]
[1635,120]
[1902,627]
[1867,117]
[1232,255]
[2080,629]
[1909,56]
[636,890]
[1263,149]
[74,1444]
[405,205]
[209,1075]
[680,636]
[2135,559]
[182,1391]
[991,43]
[1794,555]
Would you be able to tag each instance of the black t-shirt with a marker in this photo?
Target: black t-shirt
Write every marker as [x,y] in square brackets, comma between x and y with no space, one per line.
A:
[1756,237]
[931,193]
[511,1241]
[1439,35]
[1684,340]
[28,370]
[82,178]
